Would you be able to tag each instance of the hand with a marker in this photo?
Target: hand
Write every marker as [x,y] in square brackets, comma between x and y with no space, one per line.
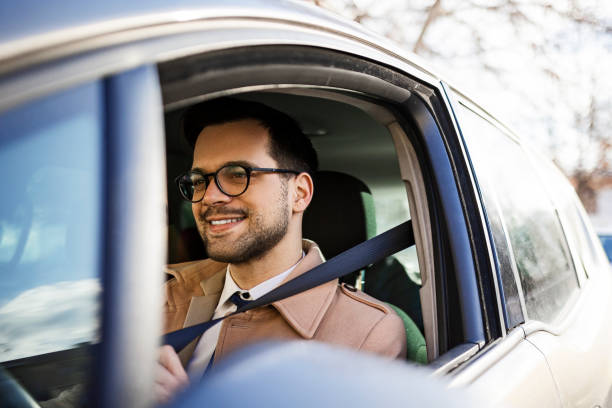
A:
[171,376]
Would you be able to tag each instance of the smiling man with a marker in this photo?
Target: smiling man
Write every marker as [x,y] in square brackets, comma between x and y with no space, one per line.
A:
[249,186]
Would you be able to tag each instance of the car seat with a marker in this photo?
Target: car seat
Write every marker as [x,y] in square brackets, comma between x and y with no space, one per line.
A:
[342,215]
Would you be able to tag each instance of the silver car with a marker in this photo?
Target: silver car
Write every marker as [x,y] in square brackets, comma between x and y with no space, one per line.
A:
[505,290]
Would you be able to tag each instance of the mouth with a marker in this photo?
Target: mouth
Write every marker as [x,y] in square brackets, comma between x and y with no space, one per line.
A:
[225,221]
[223,224]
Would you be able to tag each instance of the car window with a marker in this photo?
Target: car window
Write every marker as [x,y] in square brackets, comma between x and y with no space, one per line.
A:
[606,241]
[50,159]
[510,184]
[568,203]
[358,169]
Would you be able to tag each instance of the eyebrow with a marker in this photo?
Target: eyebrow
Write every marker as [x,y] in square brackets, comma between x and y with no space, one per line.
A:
[229,163]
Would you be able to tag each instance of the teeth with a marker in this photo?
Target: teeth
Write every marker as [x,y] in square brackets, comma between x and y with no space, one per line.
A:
[221,222]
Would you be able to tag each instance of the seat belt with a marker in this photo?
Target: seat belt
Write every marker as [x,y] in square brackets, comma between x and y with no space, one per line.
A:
[355,258]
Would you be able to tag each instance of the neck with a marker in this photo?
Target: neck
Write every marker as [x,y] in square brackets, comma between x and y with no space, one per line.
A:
[277,260]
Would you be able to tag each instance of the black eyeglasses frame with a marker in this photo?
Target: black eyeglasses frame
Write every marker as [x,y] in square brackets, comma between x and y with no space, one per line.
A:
[206,176]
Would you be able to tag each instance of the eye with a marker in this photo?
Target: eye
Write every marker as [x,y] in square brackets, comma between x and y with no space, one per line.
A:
[238,174]
[198,183]
[235,173]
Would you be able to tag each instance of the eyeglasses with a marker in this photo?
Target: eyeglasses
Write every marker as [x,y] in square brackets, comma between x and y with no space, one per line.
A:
[232,180]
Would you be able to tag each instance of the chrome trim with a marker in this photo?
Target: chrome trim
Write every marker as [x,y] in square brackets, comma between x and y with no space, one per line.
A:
[453,358]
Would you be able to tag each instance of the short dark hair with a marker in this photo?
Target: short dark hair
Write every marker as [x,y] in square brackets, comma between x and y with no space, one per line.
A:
[288,145]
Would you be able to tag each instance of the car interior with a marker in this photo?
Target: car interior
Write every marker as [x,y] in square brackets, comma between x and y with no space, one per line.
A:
[359,193]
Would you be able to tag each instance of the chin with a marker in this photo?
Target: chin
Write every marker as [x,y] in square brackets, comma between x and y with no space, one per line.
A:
[221,254]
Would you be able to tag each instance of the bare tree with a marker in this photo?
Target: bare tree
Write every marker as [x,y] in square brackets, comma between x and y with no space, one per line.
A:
[466,33]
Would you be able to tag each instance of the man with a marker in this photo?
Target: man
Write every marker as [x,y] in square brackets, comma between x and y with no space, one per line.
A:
[249,185]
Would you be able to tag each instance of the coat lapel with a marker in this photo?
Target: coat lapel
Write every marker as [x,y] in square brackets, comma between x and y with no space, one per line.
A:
[201,309]
[305,310]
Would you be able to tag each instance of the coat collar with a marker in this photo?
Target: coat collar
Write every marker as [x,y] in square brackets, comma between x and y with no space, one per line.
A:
[303,312]
[198,283]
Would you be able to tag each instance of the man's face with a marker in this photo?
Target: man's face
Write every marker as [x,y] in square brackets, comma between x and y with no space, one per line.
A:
[238,229]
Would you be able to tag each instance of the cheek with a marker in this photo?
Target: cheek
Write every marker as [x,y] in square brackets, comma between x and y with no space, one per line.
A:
[195,209]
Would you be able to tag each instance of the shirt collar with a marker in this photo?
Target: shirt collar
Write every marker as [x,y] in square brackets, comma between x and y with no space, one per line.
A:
[230,287]
[303,311]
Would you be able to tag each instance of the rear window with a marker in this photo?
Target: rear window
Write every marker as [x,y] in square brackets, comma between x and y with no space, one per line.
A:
[531,224]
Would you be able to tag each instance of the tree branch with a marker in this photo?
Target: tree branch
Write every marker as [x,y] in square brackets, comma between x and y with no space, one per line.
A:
[434,12]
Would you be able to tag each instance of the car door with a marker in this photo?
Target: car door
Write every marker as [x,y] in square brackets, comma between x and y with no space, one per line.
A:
[79,212]
[435,204]
[578,340]
[527,240]
[561,276]
[545,251]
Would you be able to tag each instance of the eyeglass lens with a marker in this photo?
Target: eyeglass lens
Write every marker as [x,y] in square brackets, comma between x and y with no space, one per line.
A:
[231,180]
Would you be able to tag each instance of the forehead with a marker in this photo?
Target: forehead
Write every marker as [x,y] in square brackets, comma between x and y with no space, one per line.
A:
[243,140]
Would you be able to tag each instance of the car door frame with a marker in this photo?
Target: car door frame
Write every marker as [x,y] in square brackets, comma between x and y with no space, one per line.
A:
[133,243]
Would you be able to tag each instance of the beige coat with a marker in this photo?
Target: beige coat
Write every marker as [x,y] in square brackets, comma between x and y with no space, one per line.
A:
[331,313]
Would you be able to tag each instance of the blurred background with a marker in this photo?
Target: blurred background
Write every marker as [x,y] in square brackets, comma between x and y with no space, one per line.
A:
[544,67]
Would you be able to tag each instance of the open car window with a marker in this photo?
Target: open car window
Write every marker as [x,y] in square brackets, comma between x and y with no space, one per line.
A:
[381,132]
[359,193]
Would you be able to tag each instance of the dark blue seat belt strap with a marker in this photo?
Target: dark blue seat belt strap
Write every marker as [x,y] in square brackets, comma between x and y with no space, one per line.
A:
[352,259]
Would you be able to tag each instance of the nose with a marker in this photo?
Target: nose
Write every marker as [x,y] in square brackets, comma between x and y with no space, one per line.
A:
[214,196]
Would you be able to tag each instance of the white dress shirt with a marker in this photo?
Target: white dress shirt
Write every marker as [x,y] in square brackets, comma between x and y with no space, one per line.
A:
[208,342]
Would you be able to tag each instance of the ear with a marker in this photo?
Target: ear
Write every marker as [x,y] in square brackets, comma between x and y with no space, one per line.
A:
[302,192]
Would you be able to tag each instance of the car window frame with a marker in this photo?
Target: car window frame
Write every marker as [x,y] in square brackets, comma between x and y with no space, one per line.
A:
[420,108]
[118,381]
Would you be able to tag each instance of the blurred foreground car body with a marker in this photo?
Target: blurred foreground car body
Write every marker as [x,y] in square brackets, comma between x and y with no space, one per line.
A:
[507,282]
[312,374]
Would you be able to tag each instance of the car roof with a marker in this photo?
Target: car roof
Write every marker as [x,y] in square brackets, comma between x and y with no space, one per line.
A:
[35,17]
[35,24]
[32,30]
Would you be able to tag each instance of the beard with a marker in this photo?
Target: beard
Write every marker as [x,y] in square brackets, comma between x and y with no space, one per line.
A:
[260,237]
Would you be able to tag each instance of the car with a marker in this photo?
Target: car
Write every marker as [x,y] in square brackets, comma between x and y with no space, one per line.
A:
[503,285]
[606,242]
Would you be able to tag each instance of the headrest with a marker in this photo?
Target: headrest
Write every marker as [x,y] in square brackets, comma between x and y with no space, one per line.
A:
[341,214]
